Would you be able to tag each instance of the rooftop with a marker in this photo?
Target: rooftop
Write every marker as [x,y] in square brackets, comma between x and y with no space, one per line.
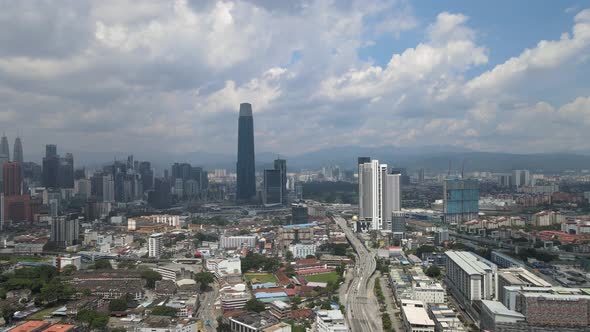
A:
[60,328]
[470,263]
[497,308]
[29,326]
[417,316]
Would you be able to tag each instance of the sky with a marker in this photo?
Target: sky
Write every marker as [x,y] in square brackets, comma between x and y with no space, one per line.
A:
[122,76]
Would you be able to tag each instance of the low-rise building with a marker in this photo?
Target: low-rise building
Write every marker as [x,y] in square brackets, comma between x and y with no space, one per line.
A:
[445,319]
[302,250]
[280,309]
[415,318]
[252,322]
[330,321]
[429,293]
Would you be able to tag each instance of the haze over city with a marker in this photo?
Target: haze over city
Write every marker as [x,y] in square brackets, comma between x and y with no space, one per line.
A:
[113,77]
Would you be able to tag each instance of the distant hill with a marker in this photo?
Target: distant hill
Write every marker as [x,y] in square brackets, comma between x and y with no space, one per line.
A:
[431,158]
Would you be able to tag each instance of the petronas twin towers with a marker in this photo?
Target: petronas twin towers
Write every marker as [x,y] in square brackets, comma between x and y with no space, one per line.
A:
[5,150]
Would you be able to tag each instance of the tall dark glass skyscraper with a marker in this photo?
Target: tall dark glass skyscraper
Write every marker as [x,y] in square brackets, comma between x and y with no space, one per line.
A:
[246,181]
[4,149]
[18,151]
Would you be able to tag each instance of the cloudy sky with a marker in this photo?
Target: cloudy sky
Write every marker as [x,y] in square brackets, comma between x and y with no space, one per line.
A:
[126,75]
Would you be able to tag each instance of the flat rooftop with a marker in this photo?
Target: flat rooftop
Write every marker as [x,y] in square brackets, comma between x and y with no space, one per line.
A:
[470,263]
[417,316]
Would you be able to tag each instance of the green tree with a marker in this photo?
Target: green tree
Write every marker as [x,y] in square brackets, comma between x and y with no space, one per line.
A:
[289,255]
[92,318]
[433,271]
[254,305]
[204,279]
[68,270]
[56,290]
[118,304]
[102,264]
[164,311]
[151,277]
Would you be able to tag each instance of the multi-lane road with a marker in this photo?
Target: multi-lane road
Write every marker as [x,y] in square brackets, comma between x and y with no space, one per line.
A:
[362,308]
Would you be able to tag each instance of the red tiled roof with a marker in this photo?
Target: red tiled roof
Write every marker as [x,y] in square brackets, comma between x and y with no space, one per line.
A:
[300,313]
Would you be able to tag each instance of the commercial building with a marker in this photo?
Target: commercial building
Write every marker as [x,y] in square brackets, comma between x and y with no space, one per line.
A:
[61,262]
[299,214]
[441,235]
[223,267]
[445,319]
[239,241]
[272,193]
[280,309]
[281,165]
[460,200]
[517,276]
[494,312]
[379,196]
[429,293]
[12,179]
[330,321]
[301,250]
[252,322]
[245,170]
[415,318]
[505,261]
[470,277]
[398,225]
[155,245]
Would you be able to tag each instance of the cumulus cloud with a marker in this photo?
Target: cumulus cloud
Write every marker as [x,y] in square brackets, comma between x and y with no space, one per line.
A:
[122,75]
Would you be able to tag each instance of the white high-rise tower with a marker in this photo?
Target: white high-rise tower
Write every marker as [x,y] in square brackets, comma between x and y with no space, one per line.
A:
[379,196]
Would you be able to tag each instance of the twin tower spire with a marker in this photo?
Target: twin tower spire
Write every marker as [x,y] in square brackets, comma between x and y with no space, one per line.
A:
[5,150]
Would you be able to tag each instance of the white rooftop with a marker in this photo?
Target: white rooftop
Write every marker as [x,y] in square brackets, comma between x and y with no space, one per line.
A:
[417,316]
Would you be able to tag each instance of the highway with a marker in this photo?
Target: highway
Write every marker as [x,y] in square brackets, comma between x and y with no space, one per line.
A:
[362,308]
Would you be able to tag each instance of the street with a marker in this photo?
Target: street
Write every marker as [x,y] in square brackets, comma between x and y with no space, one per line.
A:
[362,308]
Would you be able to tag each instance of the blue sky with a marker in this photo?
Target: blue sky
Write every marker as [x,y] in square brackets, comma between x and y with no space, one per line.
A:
[148,76]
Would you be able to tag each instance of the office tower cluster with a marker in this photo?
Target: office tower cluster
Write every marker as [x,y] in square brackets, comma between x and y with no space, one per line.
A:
[188,182]
[58,172]
[379,195]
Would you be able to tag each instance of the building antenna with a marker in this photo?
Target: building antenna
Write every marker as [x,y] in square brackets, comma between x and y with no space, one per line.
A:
[462,168]
[449,173]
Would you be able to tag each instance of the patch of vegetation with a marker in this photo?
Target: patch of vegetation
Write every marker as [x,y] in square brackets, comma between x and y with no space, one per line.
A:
[323,277]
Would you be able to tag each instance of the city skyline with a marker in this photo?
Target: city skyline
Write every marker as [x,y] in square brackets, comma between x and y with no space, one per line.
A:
[380,73]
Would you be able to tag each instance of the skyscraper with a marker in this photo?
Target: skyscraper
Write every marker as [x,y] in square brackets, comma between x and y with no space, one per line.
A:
[50,167]
[4,149]
[18,151]
[281,166]
[50,150]
[379,196]
[147,175]
[13,181]
[460,200]
[246,173]
[272,193]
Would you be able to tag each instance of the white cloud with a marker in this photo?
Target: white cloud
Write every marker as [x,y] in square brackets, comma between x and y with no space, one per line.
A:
[545,56]
[171,75]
